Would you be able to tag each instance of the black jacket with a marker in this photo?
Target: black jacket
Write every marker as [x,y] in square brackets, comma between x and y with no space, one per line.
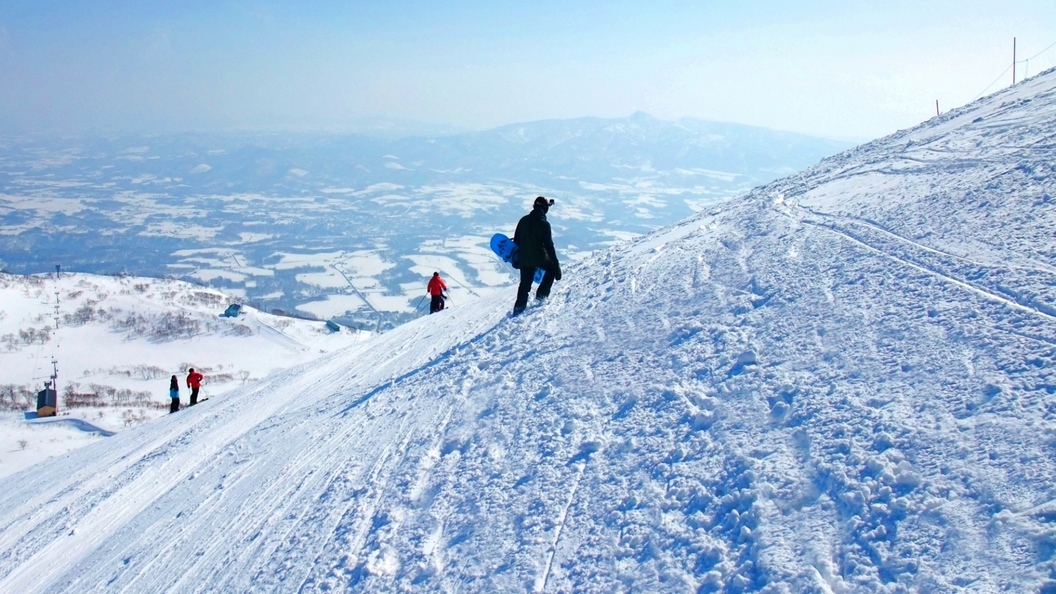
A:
[535,245]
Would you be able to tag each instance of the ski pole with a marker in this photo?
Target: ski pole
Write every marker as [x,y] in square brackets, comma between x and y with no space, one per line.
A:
[416,307]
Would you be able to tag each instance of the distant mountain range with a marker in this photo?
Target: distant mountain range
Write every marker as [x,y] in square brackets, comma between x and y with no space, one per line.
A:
[349,226]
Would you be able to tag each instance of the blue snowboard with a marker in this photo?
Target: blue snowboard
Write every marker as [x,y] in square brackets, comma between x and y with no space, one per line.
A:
[507,250]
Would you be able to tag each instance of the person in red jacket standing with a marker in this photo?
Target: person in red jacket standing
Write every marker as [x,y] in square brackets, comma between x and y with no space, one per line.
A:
[194,382]
[436,288]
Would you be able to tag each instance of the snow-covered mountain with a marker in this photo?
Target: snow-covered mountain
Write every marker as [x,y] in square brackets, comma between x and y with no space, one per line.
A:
[841,382]
[115,341]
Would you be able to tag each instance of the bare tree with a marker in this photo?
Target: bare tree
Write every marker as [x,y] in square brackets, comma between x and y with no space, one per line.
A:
[29,397]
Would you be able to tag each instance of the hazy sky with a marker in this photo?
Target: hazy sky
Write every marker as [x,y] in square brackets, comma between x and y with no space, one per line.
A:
[845,69]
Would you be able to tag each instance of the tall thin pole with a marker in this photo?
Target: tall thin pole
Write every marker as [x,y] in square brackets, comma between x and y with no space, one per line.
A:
[55,383]
[936,108]
[1013,60]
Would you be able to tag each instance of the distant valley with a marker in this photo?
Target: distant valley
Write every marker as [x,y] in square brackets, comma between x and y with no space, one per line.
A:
[349,227]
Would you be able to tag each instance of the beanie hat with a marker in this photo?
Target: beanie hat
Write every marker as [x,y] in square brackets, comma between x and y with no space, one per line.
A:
[543,203]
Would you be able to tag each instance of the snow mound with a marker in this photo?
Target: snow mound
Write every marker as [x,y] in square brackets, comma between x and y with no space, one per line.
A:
[841,382]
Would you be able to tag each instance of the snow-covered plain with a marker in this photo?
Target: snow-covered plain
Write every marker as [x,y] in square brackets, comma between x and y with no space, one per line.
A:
[118,340]
[841,382]
[303,222]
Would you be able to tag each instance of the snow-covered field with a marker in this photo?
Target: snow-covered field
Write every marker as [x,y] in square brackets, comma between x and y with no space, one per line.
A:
[115,342]
[842,382]
[339,226]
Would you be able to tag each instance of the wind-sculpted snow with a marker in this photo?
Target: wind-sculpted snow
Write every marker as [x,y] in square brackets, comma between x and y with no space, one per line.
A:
[841,382]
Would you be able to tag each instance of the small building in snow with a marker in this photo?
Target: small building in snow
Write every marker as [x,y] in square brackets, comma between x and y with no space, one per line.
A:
[232,311]
[47,401]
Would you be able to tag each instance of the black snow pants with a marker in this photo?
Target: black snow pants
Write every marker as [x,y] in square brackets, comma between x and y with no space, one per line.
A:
[527,276]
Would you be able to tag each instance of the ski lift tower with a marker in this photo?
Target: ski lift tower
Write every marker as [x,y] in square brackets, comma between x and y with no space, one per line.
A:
[48,398]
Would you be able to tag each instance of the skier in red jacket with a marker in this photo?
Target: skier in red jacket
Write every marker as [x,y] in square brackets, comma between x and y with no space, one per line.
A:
[194,382]
[436,288]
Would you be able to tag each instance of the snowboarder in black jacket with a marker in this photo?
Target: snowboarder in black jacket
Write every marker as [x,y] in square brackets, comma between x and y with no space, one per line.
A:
[535,247]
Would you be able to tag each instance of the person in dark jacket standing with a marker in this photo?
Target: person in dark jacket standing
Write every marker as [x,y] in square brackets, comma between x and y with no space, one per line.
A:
[174,394]
[535,248]
[194,382]
[436,288]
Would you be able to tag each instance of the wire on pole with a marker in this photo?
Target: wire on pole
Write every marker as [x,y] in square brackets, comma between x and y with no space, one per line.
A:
[999,77]
[1013,66]
[1026,61]
[1052,45]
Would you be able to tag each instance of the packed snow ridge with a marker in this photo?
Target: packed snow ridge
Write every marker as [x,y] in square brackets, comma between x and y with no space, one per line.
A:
[841,382]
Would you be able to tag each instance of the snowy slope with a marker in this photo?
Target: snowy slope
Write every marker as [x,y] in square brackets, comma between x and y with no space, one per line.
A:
[120,339]
[123,322]
[842,382]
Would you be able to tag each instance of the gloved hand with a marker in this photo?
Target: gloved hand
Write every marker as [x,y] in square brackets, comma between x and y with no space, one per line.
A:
[557,272]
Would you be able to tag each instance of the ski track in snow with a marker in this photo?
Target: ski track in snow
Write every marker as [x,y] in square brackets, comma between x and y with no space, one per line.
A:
[909,260]
[274,334]
[80,424]
[841,382]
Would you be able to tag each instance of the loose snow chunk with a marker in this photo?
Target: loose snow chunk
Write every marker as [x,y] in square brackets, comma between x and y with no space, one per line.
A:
[703,420]
[384,561]
[590,446]
[906,477]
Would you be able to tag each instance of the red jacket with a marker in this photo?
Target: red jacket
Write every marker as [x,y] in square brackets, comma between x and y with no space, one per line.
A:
[436,286]
[194,379]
